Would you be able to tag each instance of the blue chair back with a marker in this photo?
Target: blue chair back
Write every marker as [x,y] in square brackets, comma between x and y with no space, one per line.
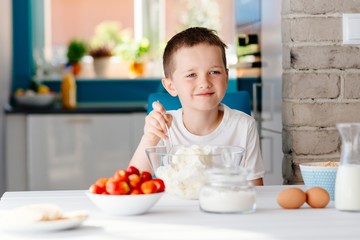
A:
[236,100]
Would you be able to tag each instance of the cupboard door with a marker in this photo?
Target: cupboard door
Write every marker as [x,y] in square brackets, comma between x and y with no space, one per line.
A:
[72,151]
[15,153]
[272,156]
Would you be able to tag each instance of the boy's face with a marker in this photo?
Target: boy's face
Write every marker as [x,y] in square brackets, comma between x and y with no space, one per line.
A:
[200,78]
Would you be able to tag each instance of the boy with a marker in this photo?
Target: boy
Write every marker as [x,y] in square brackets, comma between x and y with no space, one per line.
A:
[195,70]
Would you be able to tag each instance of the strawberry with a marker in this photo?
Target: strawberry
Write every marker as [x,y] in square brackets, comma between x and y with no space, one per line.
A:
[148,187]
[96,189]
[134,181]
[121,175]
[146,176]
[135,192]
[132,170]
[115,187]
[160,186]
[101,182]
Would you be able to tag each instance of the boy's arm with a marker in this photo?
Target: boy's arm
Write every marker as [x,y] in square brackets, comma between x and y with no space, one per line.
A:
[154,130]
[257,182]
[139,159]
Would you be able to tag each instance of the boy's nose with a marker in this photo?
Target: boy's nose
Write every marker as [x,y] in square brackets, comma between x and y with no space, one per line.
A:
[205,82]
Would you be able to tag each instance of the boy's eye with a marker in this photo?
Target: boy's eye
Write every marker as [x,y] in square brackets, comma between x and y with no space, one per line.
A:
[191,75]
[215,72]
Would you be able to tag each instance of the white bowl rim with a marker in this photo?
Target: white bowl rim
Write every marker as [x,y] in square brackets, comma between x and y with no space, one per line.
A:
[123,195]
[125,205]
[240,149]
[37,100]
[36,95]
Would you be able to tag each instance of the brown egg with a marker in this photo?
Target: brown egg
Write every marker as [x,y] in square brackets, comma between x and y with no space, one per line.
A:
[291,198]
[317,197]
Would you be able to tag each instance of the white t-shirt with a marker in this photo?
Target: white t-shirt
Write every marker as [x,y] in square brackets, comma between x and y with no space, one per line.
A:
[236,128]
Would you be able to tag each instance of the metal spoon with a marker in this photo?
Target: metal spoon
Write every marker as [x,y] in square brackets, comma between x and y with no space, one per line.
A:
[168,144]
[170,140]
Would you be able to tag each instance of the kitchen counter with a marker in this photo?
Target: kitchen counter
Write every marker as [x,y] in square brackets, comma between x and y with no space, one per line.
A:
[82,108]
[174,218]
[104,96]
[99,96]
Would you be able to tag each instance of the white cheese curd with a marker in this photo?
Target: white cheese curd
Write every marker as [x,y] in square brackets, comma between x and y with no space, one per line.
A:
[184,176]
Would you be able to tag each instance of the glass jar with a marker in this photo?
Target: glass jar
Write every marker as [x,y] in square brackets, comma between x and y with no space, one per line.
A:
[227,191]
[347,191]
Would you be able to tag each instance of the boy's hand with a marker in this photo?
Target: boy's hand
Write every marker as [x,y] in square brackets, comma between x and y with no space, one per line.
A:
[155,123]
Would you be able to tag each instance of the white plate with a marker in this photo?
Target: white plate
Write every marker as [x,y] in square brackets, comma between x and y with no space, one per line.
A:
[42,226]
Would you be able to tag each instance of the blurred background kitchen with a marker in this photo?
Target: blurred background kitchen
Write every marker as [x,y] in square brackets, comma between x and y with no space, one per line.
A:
[52,148]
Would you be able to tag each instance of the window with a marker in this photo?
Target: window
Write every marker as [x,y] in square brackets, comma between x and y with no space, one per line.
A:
[56,22]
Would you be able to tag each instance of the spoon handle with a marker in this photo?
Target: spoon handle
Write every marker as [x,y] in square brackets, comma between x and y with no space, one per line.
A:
[170,139]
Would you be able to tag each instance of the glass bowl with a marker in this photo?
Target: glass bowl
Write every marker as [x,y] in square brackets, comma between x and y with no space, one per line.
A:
[183,168]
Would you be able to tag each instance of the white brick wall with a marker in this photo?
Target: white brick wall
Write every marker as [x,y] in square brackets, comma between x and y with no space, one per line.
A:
[321,81]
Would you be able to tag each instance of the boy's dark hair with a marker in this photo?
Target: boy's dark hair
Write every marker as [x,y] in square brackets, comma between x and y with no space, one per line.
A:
[189,38]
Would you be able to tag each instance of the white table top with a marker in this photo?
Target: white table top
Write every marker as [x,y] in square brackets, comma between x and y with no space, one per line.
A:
[174,218]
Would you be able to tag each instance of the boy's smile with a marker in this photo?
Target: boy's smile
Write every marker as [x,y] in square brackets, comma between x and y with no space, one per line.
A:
[204,94]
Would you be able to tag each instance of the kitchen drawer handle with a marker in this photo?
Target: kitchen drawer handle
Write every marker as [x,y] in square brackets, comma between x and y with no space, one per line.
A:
[79,120]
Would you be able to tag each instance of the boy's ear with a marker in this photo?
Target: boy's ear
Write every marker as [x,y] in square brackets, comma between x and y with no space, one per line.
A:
[227,77]
[169,86]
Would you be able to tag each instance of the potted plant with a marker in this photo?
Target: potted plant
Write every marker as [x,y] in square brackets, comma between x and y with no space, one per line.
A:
[108,36]
[136,53]
[76,50]
[101,56]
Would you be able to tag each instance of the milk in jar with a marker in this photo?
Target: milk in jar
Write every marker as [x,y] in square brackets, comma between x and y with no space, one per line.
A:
[347,187]
[347,197]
